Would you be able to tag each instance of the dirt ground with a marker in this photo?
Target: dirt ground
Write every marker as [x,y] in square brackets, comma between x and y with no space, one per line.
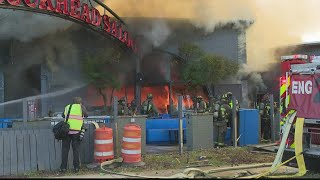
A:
[166,173]
[171,163]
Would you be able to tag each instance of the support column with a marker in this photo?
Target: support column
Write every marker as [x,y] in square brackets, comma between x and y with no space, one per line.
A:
[1,93]
[170,99]
[138,82]
[44,90]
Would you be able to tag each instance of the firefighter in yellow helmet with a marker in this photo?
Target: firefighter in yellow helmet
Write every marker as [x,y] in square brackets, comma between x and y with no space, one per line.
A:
[148,107]
[201,105]
[228,97]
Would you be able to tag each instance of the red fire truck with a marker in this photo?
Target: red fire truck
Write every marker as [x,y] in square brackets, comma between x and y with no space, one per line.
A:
[300,90]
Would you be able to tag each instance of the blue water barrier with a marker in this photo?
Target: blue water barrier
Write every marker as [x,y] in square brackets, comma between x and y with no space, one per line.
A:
[248,127]
[163,130]
[6,122]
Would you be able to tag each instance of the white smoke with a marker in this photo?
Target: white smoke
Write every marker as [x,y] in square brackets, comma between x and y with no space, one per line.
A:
[25,26]
[158,32]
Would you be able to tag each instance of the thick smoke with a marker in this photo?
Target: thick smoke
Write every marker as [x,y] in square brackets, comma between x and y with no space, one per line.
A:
[253,81]
[25,26]
[254,78]
[276,23]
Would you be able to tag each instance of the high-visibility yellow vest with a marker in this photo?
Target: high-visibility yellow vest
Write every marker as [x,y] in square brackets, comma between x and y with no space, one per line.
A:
[230,104]
[75,118]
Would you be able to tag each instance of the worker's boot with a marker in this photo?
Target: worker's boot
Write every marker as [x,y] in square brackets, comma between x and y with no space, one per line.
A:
[220,144]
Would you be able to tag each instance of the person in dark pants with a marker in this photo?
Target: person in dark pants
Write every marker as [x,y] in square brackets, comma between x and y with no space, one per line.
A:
[77,112]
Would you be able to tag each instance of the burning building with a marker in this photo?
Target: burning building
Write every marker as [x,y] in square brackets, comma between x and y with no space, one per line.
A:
[53,62]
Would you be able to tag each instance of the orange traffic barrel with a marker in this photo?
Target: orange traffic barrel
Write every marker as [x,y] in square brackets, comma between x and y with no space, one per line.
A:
[103,144]
[131,144]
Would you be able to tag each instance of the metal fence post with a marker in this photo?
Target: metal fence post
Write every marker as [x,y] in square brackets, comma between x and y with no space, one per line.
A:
[25,111]
[272,123]
[180,125]
[234,122]
[115,116]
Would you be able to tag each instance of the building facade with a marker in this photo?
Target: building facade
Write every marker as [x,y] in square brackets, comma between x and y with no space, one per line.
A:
[51,64]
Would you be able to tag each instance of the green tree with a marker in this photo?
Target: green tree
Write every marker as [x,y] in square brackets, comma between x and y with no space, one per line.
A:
[190,51]
[98,67]
[203,68]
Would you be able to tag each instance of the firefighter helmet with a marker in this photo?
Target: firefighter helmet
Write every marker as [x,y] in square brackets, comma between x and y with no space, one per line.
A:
[149,96]
[199,97]
[266,97]
[122,100]
[229,94]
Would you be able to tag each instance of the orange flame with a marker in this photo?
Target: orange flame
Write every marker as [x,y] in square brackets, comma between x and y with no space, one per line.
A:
[160,96]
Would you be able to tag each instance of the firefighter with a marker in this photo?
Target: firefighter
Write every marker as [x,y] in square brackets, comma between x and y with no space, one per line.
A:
[122,107]
[201,105]
[133,107]
[215,110]
[194,103]
[148,107]
[264,110]
[223,114]
[228,96]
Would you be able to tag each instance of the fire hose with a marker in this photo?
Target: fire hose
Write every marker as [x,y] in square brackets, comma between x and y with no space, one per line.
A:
[194,172]
[298,152]
[187,173]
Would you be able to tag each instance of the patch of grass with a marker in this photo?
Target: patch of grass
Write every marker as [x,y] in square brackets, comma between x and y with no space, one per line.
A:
[227,156]
[69,172]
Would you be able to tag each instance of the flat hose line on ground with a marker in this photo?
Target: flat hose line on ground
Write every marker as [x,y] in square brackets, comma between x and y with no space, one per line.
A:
[298,151]
[187,173]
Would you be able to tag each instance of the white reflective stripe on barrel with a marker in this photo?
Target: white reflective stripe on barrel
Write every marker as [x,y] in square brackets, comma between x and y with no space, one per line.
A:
[124,151]
[110,153]
[109,141]
[131,139]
